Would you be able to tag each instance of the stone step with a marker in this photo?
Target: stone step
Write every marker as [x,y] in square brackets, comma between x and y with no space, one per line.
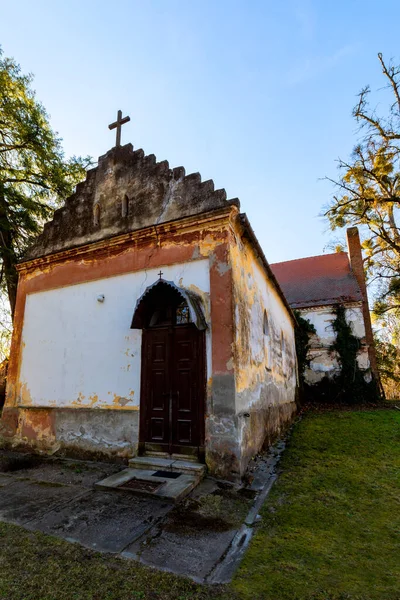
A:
[150,483]
[168,464]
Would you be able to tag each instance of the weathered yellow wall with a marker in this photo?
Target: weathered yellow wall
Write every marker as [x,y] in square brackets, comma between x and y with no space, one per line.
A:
[265,355]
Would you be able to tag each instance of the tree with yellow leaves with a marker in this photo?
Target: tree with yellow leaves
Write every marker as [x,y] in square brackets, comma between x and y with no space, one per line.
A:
[369,190]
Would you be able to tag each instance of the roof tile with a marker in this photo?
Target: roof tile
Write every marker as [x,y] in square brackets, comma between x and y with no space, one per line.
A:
[318,280]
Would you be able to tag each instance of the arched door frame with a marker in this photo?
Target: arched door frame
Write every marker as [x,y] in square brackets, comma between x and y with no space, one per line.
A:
[173,370]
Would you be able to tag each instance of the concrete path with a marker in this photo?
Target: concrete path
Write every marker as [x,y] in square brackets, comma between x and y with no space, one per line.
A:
[203,537]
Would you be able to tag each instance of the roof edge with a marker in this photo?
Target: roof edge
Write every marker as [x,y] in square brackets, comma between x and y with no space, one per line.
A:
[253,239]
[284,262]
[322,303]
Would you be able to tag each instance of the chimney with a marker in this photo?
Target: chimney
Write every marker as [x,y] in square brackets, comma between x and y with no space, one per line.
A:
[355,257]
[357,266]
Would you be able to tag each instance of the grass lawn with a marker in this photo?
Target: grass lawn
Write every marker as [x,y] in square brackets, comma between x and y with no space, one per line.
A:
[330,531]
[331,526]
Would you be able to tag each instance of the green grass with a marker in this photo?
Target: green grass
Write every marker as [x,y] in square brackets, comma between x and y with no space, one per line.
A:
[330,531]
[331,526]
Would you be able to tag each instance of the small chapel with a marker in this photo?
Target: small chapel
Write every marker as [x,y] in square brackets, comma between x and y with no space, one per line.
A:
[149,322]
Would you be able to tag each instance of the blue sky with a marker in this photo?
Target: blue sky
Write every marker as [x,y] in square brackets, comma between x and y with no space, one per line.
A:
[256,95]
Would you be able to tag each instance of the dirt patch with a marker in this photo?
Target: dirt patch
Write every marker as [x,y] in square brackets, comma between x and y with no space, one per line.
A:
[326,407]
[77,468]
[140,485]
[50,484]
[222,510]
[247,493]
[10,462]
[188,518]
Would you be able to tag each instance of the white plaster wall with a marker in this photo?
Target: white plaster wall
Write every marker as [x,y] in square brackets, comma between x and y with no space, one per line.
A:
[78,352]
[322,361]
[323,317]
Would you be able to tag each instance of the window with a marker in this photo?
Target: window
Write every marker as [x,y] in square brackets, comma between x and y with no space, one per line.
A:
[172,314]
[182,314]
[125,206]
[265,323]
[96,215]
[161,317]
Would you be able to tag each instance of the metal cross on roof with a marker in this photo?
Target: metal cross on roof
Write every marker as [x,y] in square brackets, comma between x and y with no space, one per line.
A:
[161,274]
[117,124]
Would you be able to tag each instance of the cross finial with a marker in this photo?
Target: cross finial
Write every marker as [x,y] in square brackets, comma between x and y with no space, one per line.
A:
[117,125]
[161,273]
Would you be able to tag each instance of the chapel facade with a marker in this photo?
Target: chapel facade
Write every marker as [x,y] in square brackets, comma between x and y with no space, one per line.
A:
[149,321]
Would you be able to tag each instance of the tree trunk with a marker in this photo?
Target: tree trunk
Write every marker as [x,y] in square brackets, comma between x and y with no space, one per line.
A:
[393,225]
[7,255]
[11,275]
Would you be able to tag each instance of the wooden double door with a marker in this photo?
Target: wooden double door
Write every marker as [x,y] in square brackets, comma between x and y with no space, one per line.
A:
[173,390]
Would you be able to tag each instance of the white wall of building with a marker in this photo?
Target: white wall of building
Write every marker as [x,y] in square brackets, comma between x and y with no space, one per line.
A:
[323,361]
[323,317]
[79,352]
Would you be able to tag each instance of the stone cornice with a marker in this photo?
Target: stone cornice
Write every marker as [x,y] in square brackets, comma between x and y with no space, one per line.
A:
[159,233]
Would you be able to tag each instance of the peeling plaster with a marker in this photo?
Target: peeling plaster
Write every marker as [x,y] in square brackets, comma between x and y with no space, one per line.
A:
[265,363]
[255,350]
[323,362]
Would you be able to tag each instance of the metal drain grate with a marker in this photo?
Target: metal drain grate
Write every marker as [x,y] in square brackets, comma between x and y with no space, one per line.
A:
[168,474]
[140,485]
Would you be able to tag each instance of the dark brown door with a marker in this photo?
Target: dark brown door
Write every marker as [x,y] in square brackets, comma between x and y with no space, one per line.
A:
[173,385]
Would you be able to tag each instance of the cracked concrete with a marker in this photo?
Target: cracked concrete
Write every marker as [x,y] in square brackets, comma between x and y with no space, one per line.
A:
[204,537]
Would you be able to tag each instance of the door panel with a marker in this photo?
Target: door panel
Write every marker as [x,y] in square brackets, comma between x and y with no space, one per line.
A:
[157,431]
[159,386]
[184,432]
[155,371]
[185,381]
[173,388]
[183,386]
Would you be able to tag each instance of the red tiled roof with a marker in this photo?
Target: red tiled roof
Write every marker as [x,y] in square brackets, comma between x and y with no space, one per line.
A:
[317,280]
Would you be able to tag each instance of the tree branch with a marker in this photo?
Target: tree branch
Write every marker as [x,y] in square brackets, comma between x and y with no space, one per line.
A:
[391,75]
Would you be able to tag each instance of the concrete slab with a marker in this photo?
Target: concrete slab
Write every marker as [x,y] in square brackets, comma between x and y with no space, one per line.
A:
[103,520]
[5,480]
[172,490]
[206,487]
[176,489]
[23,501]
[118,479]
[192,554]
[203,538]
[69,472]
[264,465]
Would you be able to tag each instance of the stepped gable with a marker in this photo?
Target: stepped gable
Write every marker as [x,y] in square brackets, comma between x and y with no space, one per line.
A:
[125,192]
